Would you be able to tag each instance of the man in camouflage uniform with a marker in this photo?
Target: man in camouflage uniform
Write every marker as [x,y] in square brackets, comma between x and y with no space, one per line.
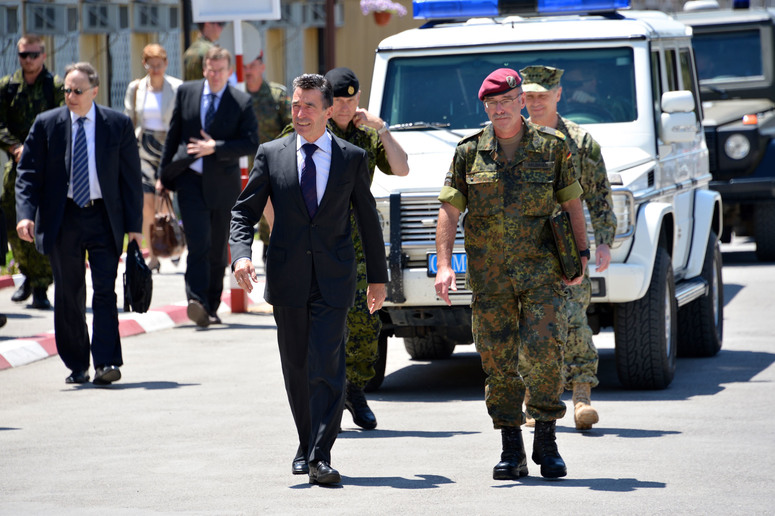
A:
[542,93]
[369,132]
[24,94]
[193,65]
[272,107]
[512,176]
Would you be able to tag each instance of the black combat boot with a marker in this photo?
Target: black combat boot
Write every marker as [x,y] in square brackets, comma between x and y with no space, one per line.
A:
[355,402]
[40,299]
[23,292]
[513,462]
[545,451]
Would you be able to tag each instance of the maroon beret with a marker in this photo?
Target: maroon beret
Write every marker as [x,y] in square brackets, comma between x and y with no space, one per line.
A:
[499,81]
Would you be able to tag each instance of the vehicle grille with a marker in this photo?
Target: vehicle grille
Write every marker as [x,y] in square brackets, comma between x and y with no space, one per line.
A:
[419,216]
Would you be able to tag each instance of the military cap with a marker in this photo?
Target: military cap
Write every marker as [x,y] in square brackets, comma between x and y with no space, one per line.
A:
[540,78]
[499,81]
[343,82]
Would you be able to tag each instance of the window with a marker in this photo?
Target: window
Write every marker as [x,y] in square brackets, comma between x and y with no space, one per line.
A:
[720,55]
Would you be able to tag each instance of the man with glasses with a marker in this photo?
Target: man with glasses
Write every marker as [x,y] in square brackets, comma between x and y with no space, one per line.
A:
[193,57]
[24,94]
[79,191]
[542,94]
[512,176]
[212,126]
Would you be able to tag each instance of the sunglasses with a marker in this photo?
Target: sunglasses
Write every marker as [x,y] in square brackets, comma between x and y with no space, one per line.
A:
[77,91]
[30,55]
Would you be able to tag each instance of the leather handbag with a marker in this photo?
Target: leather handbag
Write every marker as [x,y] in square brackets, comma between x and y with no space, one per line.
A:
[167,238]
[565,240]
[138,283]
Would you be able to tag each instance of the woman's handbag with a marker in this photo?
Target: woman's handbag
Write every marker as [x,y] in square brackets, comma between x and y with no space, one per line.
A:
[167,238]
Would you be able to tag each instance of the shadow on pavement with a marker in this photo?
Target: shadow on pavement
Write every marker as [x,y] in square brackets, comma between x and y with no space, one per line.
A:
[616,485]
[418,482]
[150,386]
[377,434]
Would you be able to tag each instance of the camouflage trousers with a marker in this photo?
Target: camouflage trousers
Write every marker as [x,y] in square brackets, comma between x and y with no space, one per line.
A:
[530,323]
[36,267]
[580,352]
[361,349]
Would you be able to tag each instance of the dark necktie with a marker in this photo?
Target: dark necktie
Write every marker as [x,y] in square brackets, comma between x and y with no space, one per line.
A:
[81,193]
[210,112]
[308,183]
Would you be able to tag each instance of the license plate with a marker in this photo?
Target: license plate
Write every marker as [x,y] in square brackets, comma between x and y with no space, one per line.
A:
[459,263]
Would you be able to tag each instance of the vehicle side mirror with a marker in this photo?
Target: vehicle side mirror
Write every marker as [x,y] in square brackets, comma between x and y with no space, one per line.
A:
[678,102]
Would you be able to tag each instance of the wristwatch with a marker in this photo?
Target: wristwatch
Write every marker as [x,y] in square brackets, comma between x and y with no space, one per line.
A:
[584,253]
[382,130]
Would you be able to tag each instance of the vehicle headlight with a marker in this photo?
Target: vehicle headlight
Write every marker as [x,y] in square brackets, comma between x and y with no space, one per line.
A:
[737,146]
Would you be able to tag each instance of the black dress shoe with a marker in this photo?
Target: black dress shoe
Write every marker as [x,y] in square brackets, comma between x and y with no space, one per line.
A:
[40,299]
[197,313]
[106,375]
[355,402]
[78,377]
[300,467]
[322,473]
[23,292]
[214,319]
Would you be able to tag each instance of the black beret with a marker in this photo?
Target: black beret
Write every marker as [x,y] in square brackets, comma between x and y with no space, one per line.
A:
[343,81]
[499,81]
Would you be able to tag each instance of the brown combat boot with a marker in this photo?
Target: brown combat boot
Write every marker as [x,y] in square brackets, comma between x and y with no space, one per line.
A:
[584,414]
[529,421]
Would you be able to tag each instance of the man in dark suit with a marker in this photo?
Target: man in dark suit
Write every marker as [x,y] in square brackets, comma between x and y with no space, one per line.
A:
[212,126]
[312,178]
[79,189]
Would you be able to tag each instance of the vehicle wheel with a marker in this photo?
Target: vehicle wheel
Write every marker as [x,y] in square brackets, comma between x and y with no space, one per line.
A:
[379,366]
[764,231]
[429,347]
[646,332]
[701,322]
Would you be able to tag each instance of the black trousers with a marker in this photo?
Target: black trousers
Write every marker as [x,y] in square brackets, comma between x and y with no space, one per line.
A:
[85,229]
[207,235]
[311,342]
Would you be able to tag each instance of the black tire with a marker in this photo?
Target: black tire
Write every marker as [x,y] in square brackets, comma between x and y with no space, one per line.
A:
[429,347]
[764,231]
[379,366]
[646,332]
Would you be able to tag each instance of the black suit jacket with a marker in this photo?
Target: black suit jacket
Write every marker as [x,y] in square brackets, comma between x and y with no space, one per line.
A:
[44,174]
[297,243]
[234,130]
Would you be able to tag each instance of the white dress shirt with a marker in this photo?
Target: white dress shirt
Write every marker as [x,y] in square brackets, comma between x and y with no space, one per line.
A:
[89,126]
[322,159]
[206,99]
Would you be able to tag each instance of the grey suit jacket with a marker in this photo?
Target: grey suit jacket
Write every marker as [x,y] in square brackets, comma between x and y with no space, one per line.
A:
[297,244]
[44,174]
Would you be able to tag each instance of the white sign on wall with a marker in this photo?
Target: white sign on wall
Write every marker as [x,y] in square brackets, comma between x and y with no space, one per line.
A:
[232,10]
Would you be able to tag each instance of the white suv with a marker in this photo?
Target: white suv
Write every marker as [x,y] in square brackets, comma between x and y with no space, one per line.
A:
[663,291]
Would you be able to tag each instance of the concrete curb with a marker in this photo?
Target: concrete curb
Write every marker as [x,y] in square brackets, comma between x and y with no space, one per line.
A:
[18,352]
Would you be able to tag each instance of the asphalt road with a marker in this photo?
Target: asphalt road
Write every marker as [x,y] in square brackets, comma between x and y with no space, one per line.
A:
[199,424]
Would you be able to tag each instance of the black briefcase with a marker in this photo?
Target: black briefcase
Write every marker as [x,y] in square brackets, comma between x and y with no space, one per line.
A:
[565,240]
[138,281]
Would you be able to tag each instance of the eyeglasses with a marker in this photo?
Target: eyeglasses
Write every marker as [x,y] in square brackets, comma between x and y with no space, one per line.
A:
[29,55]
[154,67]
[77,91]
[504,103]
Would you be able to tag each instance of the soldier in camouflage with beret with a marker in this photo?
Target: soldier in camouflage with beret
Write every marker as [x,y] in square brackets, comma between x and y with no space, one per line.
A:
[369,132]
[542,93]
[193,57]
[272,107]
[512,176]
[27,92]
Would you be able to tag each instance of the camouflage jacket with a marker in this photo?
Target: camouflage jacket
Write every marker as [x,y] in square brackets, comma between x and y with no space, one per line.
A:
[193,57]
[588,161]
[367,139]
[507,236]
[272,108]
[20,103]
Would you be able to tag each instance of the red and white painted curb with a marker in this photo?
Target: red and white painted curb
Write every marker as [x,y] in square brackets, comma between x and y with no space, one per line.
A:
[17,352]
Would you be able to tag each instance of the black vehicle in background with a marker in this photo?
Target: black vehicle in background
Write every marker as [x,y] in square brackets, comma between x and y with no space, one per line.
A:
[735,56]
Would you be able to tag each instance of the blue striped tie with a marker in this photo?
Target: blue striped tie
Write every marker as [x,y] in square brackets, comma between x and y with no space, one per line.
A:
[308,182]
[81,193]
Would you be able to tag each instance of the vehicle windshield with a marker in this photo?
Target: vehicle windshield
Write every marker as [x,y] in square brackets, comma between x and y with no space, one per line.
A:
[719,56]
[598,85]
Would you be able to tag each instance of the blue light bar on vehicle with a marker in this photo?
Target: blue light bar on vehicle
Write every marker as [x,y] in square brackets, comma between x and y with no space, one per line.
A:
[428,9]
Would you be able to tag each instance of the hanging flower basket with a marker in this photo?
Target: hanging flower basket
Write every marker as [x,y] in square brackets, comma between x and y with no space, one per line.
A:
[382,10]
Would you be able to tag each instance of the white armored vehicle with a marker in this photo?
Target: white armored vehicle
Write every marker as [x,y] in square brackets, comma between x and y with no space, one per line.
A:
[663,291]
